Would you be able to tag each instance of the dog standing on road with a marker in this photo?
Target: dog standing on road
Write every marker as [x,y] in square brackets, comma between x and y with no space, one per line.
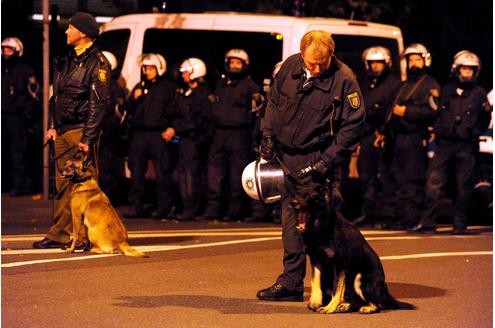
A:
[91,207]
[335,245]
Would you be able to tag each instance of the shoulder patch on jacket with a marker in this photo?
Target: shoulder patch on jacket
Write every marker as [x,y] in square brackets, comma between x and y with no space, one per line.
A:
[102,75]
[354,100]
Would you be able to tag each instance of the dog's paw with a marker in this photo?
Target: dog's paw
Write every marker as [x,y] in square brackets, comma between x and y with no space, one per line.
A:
[369,309]
[343,307]
[327,309]
[314,305]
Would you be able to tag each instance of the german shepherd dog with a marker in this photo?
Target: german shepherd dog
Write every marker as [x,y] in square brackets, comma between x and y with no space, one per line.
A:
[341,259]
[91,207]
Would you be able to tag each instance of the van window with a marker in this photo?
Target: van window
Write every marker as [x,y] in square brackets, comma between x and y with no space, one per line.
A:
[349,48]
[116,42]
[264,49]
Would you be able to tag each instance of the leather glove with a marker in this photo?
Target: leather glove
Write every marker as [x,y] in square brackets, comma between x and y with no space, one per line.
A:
[267,148]
[316,173]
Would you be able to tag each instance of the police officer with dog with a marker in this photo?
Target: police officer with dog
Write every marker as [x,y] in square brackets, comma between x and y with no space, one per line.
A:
[313,122]
[406,135]
[378,93]
[463,115]
[81,90]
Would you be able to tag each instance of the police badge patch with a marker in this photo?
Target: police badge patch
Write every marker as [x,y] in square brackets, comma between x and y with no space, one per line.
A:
[102,75]
[354,100]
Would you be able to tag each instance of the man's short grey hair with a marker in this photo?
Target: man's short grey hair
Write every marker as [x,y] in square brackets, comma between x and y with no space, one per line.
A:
[318,38]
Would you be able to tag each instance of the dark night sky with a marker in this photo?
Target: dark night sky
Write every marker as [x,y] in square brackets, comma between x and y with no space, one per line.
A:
[445,27]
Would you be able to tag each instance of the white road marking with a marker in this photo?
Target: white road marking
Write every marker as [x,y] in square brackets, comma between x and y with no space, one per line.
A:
[268,233]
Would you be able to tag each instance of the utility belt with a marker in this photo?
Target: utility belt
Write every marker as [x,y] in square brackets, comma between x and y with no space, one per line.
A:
[226,127]
[323,142]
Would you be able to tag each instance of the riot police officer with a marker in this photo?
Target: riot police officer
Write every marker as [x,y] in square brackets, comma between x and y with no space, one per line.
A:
[463,115]
[150,108]
[20,98]
[191,126]
[378,93]
[231,146]
[406,133]
[312,123]
[112,150]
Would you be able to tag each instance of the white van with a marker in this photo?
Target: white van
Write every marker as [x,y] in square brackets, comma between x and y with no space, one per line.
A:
[267,39]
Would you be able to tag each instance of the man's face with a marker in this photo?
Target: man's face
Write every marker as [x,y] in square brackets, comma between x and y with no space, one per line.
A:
[466,73]
[377,67]
[235,65]
[74,36]
[7,52]
[316,60]
[150,72]
[415,61]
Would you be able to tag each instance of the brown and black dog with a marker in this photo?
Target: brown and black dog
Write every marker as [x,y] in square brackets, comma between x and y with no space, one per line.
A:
[91,207]
[337,248]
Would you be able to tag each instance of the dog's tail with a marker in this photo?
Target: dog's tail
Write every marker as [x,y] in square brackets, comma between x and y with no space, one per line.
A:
[129,251]
[395,304]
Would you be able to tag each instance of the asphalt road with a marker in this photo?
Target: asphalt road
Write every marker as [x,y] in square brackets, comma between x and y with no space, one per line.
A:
[207,275]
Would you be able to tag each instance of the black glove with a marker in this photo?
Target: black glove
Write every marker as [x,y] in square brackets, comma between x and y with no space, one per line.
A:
[267,148]
[312,173]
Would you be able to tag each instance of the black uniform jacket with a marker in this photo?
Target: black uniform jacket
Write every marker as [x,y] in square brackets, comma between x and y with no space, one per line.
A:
[462,117]
[378,94]
[328,110]
[192,112]
[81,90]
[420,105]
[153,110]
[232,108]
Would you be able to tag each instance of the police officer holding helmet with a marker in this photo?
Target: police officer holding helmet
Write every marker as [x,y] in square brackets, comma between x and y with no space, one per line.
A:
[150,106]
[20,98]
[191,124]
[463,115]
[233,116]
[313,122]
[378,93]
[406,133]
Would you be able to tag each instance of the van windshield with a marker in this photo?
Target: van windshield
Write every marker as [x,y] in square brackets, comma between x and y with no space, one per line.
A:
[264,49]
[349,49]
[116,42]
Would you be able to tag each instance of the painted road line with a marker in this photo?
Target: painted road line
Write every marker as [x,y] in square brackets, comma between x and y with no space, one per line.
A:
[430,255]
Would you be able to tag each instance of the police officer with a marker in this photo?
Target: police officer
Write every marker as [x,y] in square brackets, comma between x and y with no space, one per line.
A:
[81,90]
[406,133]
[150,107]
[191,125]
[463,115]
[313,121]
[20,99]
[378,93]
[231,146]
[112,152]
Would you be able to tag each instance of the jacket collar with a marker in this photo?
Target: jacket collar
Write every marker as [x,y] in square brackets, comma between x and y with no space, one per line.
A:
[324,81]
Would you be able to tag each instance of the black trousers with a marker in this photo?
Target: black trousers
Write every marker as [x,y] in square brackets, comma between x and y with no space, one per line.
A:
[189,175]
[144,146]
[459,156]
[368,173]
[229,154]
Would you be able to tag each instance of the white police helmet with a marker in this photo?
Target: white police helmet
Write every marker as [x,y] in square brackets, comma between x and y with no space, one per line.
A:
[239,54]
[152,59]
[14,43]
[419,49]
[377,53]
[263,180]
[466,58]
[195,66]
[111,59]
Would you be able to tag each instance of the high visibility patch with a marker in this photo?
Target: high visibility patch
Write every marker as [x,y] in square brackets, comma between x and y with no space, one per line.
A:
[354,100]
[102,75]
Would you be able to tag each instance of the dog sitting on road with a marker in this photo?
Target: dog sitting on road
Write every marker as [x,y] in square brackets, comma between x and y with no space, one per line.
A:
[335,245]
[91,207]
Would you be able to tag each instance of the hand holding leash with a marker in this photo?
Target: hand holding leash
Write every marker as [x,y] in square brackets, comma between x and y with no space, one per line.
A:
[267,148]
